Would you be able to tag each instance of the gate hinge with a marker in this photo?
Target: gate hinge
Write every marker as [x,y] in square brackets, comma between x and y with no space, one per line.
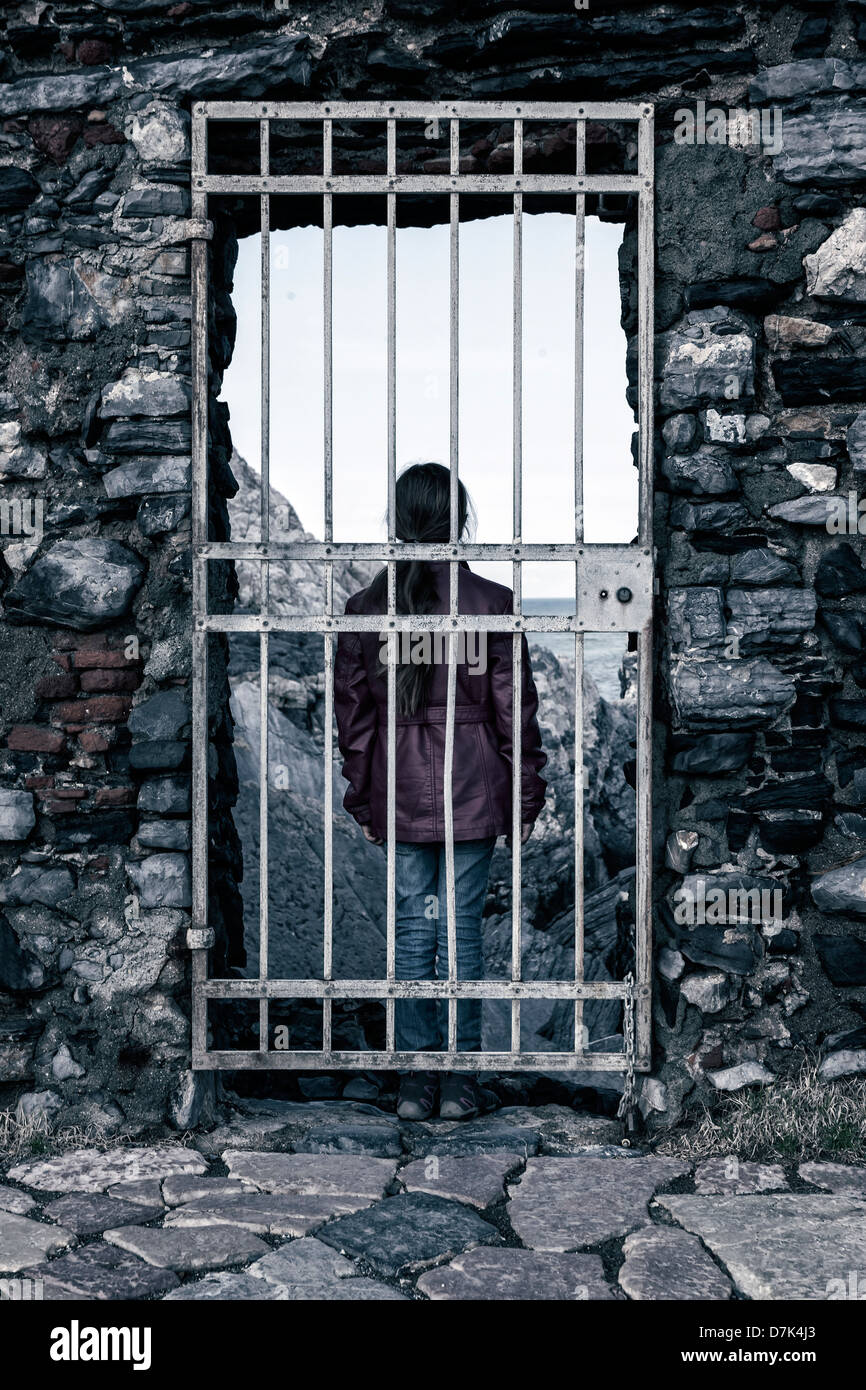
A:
[198,229]
[200,938]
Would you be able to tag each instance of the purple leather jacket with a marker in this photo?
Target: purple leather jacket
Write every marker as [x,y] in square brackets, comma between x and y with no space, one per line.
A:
[482,730]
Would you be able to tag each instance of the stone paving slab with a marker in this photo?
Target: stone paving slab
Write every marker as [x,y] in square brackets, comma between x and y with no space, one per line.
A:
[663,1262]
[102,1272]
[349,1291]
[228,1284]
[562,1130]
[87,1213]
[517,1274]
[564,1203]
[835,1177]
[779,1245]
[463,1138]
[306,1261]
[17,1202]
[478,1180]
[730,1176]
[187,1249]
[94,1170]
[325,1175]
[189,1188]
[265,1213]
[379,1140]
[408,1232]
[146,1191]
[24,1242]
[265,1132]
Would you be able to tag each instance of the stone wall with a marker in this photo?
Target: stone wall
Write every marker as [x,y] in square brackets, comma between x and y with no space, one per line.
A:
[761,316]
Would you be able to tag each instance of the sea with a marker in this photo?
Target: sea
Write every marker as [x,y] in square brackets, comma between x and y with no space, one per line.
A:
[602,651]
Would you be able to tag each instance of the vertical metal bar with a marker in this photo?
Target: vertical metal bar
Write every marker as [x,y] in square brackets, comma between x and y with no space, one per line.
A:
[199,588]
[579,283]
[646,266]
[328,442]
[391,925]
[517,584]
[264,783]
[454,430]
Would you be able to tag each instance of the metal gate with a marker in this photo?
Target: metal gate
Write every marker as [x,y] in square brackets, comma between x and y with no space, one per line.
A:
[614,583]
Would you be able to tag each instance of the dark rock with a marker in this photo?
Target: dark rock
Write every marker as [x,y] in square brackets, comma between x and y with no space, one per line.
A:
[408,1232]
[102,1272]
[761,617]
[378,1140]
[165,715]
[822,205]
[811,380]
[20,972]
[147,436]
[733,950]
[840,572]
[790,832]
[57,305]
[679,432]
[707,471]
[753,295]
[747,693]
[709,517]
[159,515]
[79,584]
[760,566]
[18,189]
[165,795]
[713,754]
[843,958]
[847,631]
[156,200]
[162,755]
[848,714]
[782,942]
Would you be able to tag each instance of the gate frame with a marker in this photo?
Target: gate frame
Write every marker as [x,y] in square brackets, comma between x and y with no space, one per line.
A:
[614,566]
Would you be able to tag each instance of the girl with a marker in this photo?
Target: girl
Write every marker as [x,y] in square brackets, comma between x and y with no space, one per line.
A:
[481,778]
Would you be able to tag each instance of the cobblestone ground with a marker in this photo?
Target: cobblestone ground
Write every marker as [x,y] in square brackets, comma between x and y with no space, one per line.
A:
[337,1200]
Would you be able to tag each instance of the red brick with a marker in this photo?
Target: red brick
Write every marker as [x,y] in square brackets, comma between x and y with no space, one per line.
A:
[58,808]
[36,783]
[97,740]
[57,687]
[68,793]
[107,658]
[63,659]
[115,796]
[102,679]
[99,709]
[31,738]
[99,865]
[73,728]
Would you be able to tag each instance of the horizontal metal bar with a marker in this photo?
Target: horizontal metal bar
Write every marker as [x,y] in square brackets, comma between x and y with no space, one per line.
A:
[416,550]
[420,183]
[422,110]
[415,622]
[414,989]
[400,1061]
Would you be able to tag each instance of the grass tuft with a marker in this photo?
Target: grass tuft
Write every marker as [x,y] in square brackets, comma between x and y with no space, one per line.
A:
[798,1118]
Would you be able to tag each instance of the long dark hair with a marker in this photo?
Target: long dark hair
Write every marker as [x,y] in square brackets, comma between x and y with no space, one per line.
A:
[423,515]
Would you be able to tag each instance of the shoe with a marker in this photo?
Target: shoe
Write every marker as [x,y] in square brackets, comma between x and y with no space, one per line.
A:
[417,1095]
[461,1097]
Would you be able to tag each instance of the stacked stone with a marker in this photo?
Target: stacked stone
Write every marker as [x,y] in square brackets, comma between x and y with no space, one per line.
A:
[95,462]
[760,293]
[760,390]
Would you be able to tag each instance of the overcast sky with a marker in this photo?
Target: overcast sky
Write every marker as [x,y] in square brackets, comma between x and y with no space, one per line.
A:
[485,457]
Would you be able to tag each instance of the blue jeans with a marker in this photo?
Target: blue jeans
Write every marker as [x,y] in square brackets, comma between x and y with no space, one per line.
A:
[422,939]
